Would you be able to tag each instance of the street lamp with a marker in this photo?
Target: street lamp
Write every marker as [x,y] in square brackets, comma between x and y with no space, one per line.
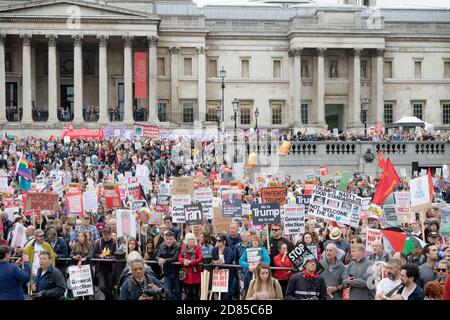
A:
[364,108]
[218,113]
[235,103]
[257,130]
[223,74]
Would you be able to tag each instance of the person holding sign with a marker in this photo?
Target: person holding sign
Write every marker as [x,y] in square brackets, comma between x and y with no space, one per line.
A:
[264,286]
[12,276]
[191,257]
[251,257]
[221,254]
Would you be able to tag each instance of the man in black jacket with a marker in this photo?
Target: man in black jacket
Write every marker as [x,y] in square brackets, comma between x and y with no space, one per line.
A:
[168,254]
[49,283]
[307,285]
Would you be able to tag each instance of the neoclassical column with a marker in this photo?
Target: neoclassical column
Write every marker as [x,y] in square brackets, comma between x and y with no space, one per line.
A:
[103,78]
[355,98]
[320,86]
[2,79]
[153,79]
[297,115]
[174,53]
[378,85]
[52,79]
[26,78]
[128,78]
[78,77]
[201,65]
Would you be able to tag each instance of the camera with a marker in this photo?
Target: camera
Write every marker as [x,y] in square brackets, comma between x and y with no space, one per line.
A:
[156,293]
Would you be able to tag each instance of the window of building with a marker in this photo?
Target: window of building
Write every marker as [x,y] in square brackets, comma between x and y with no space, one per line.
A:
[446,113]
[277,69]
[333,69]
[212,68]
[162,111]
[277,113]
[418,110]
[363,69]
[188,112]
[161,67]
[418,69]
[447,69]
[245,112]
[8,62]
[188,66]
[388,113]
[305,69]
[305,113]
[211,111]
[245,66]
[388,69]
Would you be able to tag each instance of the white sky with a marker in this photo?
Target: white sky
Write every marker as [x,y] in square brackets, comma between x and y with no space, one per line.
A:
[383,3]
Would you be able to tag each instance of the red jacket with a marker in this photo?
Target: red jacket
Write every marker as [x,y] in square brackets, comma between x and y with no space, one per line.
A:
[192,277]
[282,274]
[447,290]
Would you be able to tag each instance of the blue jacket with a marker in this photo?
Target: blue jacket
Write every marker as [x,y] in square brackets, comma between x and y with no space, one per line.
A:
[51,285]
[11,280]
[227,254]
[233,242]
[60,247]
[264,258]
[131,290]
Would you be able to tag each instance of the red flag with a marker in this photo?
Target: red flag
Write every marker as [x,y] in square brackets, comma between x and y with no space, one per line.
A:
[381,161]
[140,75]
[430,185]
[388,181]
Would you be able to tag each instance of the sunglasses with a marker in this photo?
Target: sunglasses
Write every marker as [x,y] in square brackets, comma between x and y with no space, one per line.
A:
[441,269]
[276,229]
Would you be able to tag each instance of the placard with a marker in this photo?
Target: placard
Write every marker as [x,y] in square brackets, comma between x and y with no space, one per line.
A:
[74,203]
[193,214]
[126,223]
[90,201]
[137,205]
[304,200]
[372,236]
[390,216]
[298,254]
[420,195]
[309,174]
[183,185]
[294,219]
[220,280]
[42,201]
[231,203]
[266,213]
[274,194]
[3,184]
[81,280]
[111,193]
[19,236]
[253,256]
[178,203]
[323,170]
[445,222]
[204,197]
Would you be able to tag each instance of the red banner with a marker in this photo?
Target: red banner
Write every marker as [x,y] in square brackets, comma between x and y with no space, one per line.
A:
[140,75]
[112,196]
[146,131]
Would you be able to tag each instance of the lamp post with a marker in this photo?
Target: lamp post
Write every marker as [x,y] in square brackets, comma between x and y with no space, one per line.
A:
[218,113]
[364,108]
[223,74]
[235,103]
[257,130]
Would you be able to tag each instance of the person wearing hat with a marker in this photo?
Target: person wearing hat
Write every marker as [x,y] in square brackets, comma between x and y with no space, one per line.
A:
[35,247]
[338,240]
[374,221]
[307,285]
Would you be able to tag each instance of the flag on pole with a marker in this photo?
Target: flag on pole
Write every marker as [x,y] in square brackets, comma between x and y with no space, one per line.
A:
[388,181]
[23,169]
[430,185]
[381,161]
[401,241]
[24,183]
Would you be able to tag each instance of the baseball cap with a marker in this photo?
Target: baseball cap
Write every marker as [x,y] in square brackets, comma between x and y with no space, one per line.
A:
[307,258]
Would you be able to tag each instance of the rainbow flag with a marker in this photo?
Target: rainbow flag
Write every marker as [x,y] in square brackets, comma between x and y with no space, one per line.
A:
[23,170]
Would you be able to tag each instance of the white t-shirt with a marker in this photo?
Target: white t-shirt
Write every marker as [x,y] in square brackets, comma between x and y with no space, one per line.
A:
[386,285]
[37,250]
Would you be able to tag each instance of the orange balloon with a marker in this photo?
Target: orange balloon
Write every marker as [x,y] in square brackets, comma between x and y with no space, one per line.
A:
[284,148]
[251,161]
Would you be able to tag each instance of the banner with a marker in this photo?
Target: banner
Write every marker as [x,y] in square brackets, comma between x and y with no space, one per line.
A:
[90,201]
[204,197]
[146,131]
[294,219]
[390,216]
[266,213]
[298,254]
[193,214]
[420,195]
[19,236]
[42,201]
[231,203]
[445,221]
[111,193]
[74,203]
[220,280]
[140,75]
[126,223]
[178,203]
[339,206]
[274,194]
[183,185]
[81,280]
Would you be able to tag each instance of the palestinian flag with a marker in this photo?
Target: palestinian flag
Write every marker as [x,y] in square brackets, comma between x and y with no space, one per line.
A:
[399,240]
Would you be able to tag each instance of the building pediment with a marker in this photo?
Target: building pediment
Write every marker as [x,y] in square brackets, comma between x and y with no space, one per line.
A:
[71,9]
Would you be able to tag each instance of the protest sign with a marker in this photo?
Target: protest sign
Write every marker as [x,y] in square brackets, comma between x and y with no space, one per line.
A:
[231,203]
[372,236]
[178,203]
[74,203]
[146,131]
[162,202]
[298,254]
[365,203]
[294,219]
[126,223]
[390,216]
[19,236]
[57,185]
[309,187]
[73,187]
[304,200]
[204,197]
[420,195]
[219,222]
[112,196]
[11,211]
[345,180]
[133,189]
[313,250]
[193,214]
[220,280]
[41,201]
[274,194]
[3,184]
[183,185]
[81,280]
[309,174]
[136,205]
[164,188]
[90,201]
[142,170]
[266,213]
[323,170]
[445,221]
[253,256]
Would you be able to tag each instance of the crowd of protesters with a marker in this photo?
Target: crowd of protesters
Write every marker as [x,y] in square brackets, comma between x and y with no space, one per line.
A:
[172,256]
